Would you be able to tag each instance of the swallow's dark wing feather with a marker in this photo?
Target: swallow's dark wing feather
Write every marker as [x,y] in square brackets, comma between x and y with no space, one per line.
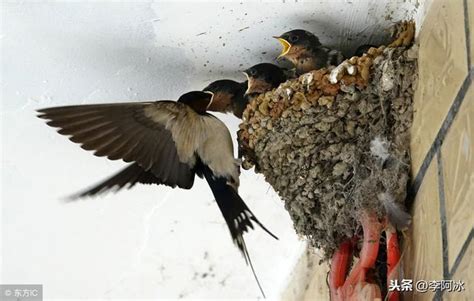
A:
[133,132]
[126,178]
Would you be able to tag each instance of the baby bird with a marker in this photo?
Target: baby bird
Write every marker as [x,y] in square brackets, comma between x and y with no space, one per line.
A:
[304,50]
[229,96]
[232,96]
[363,49]
[264,77]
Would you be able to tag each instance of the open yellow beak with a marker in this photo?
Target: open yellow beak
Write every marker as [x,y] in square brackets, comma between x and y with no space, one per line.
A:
[286,47]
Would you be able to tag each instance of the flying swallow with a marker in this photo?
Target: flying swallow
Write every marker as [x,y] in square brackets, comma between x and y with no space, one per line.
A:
[232,96]
[166,142]
[304,50]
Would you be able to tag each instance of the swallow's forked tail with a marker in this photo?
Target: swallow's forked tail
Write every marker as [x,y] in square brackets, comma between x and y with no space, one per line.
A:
[237,215]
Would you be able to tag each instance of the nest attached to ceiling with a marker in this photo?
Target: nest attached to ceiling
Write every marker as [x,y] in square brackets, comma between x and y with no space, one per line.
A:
[333,142]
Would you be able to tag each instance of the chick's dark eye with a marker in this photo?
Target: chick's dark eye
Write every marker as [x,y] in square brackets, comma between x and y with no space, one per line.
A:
[253,72]
[293,38]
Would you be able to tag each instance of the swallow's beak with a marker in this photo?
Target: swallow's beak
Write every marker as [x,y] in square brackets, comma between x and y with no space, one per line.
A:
[249,81]
[212,98]
[257,86]
[286,47]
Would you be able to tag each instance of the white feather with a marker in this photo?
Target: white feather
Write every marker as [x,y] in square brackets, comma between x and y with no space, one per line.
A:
[396,215]
[379,148]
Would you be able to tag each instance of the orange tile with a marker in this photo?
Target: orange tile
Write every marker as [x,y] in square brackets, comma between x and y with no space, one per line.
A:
[422,254]
[442,68]
[458,168]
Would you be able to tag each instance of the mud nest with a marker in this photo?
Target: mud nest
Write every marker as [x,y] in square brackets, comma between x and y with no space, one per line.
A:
[334,142]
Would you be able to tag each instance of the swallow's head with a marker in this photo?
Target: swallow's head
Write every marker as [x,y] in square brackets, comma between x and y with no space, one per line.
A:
[226,94]
[295,41]
[199,101]
[263,77]
[223,86]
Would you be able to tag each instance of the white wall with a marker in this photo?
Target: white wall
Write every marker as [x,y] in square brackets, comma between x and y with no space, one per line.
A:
[150,242]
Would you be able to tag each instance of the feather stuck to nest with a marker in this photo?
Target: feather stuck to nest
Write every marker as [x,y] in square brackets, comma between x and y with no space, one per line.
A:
[314,139]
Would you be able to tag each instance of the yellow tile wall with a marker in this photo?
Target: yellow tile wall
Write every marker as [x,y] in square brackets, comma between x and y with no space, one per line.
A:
[446,191]
[470,8]
[442,67]
[458,160]
[445,82]
[464,273]
[422,254]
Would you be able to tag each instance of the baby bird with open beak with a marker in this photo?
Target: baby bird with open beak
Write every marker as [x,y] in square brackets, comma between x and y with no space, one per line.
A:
[232,96]
[166,143]
[304,50]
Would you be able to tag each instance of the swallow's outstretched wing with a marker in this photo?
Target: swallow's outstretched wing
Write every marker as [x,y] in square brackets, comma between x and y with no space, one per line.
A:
[134,132]
[125,178]
[168,143]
